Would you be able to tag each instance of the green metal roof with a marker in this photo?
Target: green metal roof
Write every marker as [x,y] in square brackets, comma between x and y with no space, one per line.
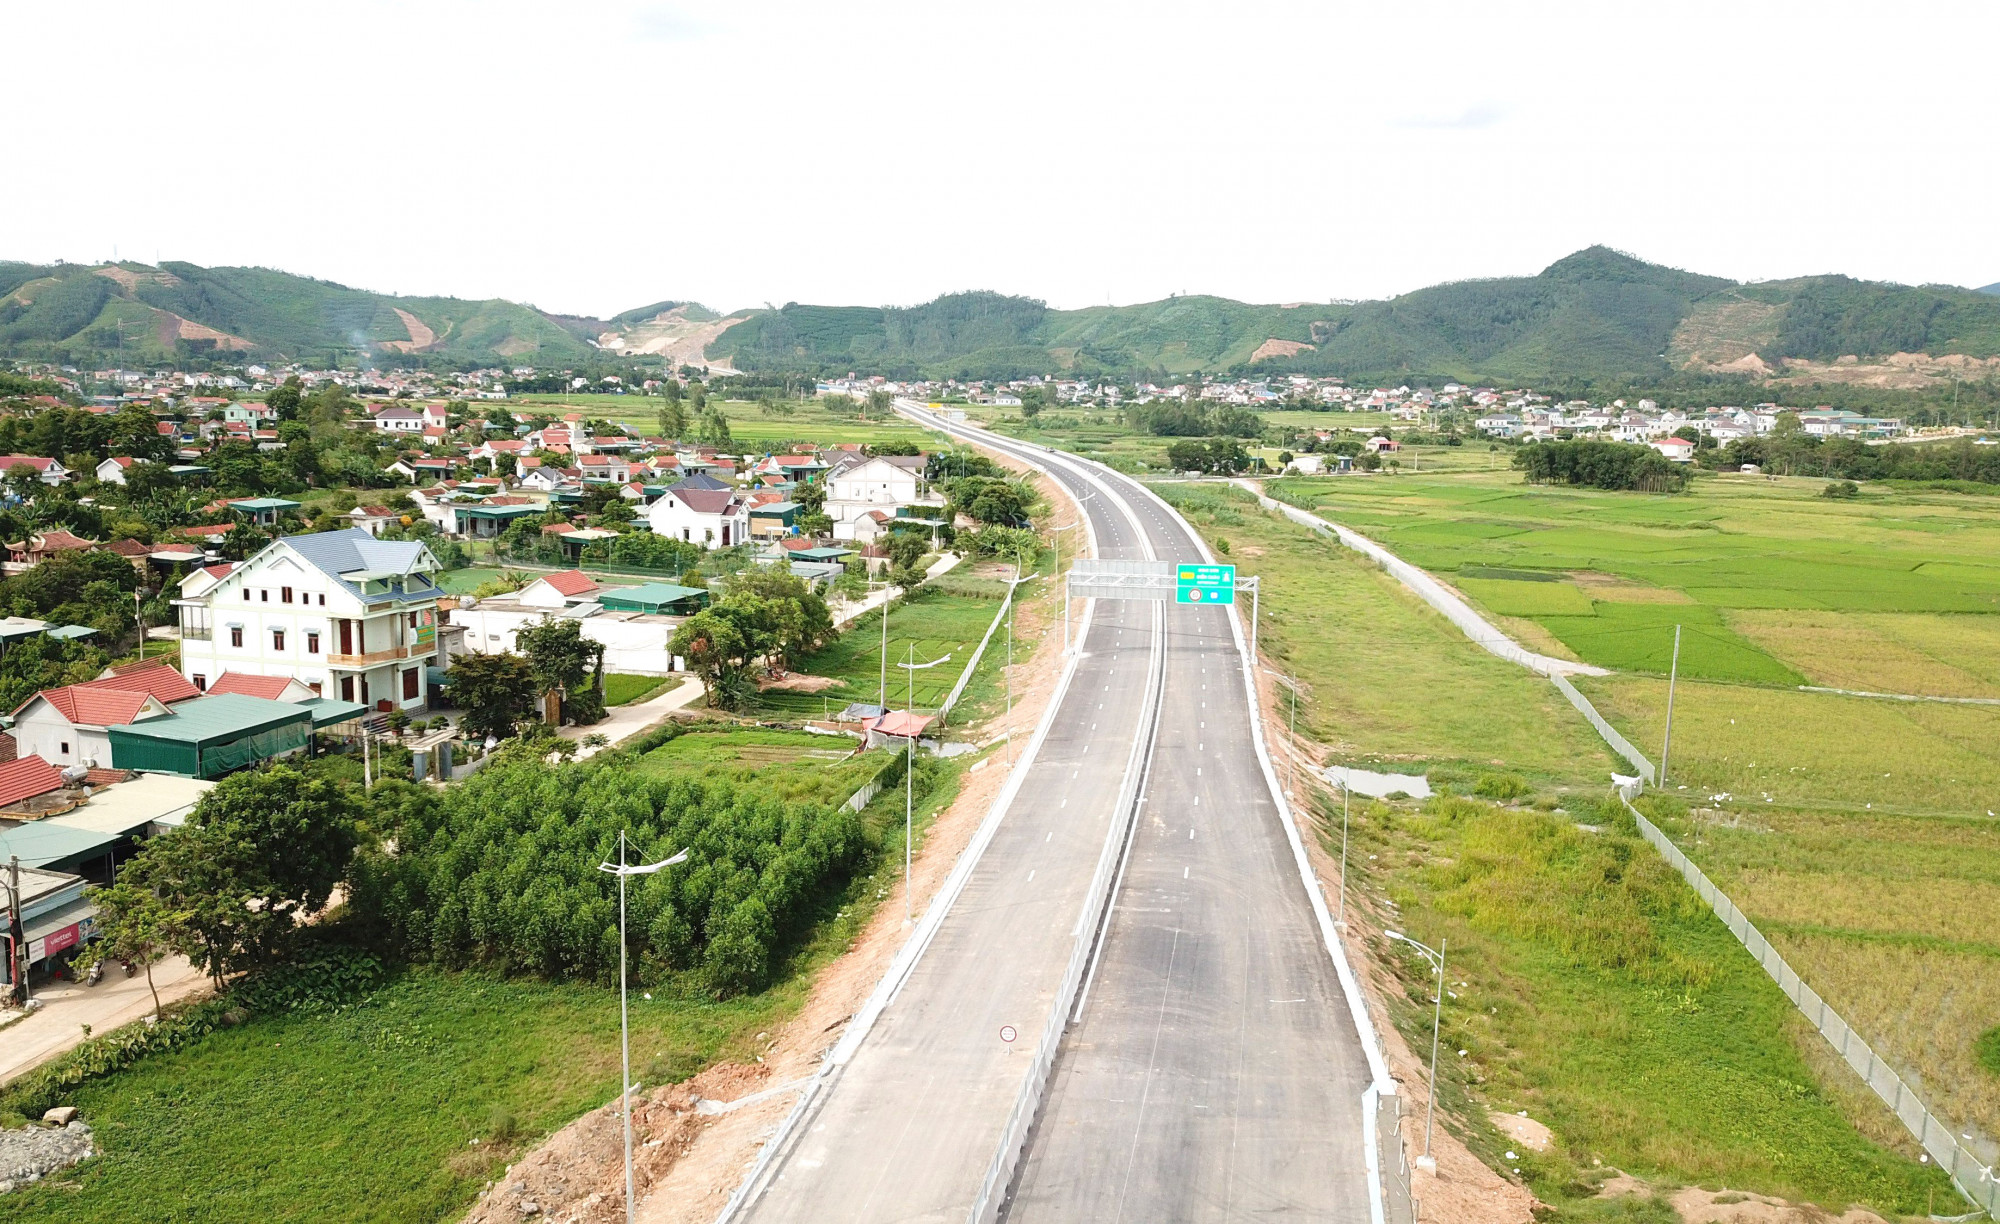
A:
[263,503]
[783,507]
[650,597]
[72,632]
[498,512]
[821,554]
[327,711]
[40,843]
[222,717]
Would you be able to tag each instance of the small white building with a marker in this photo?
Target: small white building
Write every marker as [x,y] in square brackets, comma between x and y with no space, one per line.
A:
[701,510]
[881,482]
[112,470]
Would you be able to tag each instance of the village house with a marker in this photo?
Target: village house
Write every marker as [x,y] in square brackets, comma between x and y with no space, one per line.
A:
[857,485]
[50,471]
[343,613]
[700,510]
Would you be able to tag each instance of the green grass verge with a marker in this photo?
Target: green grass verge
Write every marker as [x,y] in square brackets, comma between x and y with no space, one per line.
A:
[796,766]
[1592,988]
[621,689]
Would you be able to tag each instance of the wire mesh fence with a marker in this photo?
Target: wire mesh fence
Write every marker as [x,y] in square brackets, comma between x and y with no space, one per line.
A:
[1974,1179]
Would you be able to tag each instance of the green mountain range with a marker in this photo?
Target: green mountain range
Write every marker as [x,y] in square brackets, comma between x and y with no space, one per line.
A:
[1597,314]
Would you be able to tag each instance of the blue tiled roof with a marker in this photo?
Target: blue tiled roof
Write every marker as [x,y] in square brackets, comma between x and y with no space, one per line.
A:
[351,549]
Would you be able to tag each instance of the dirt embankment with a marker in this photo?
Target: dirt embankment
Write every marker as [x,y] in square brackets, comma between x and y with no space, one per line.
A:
[686,1163]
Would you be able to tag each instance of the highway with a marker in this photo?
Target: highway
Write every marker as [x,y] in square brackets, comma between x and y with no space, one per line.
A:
[907,1130]
[1211,1068]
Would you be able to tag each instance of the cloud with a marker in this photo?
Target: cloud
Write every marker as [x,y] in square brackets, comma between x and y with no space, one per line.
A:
[660,24]
[1479,115]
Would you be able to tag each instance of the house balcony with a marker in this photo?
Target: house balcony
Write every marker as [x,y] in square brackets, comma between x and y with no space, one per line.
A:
[374,658]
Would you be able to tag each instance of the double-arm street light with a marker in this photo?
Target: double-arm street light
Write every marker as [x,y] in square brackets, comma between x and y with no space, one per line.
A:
[912,667]
[1436,957]
[622,870]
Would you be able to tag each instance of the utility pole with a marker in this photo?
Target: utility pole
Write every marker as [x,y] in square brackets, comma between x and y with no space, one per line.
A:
[1673,675]
[625,1084]
[17,951]
[1436,957]
[912,667]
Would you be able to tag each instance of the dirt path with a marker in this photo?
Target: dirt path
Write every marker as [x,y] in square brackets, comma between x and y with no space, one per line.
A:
[688,1163]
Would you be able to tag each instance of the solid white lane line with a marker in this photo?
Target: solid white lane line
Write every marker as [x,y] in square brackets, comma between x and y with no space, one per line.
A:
[1051,837]
[1184,872]
[1031,877]
[1190,835]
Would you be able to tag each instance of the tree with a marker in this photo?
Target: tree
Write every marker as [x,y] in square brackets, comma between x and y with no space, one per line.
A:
[712,646]
[206,898]
[673,420]
[496,691]
[134,925]
[284,399]
[714,428]
[297,830]
[799,621]
[560,657]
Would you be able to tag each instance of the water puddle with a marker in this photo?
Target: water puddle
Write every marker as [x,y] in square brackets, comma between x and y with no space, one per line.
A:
[1379,785]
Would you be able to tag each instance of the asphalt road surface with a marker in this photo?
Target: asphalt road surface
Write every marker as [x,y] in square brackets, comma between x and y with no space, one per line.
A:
[909,1127]
[1212,1071]
[1215,1072]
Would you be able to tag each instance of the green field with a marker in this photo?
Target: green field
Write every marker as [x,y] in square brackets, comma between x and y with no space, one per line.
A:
[1888,915]
[1719,561]
[948,618]
[370,1112]
[1385,679]
[797,766]
[753,426]
[620,689]
[1591,988]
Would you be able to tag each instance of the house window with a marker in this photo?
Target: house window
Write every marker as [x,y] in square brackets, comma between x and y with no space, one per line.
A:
[264,596]
[322,599]
[285,594]
[277,639]
[65,748]
[312,641]
[236,635]
[246,594]
[200,682]
[413,620]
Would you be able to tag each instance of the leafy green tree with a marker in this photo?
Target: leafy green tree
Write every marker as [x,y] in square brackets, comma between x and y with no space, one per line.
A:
[496,691]
[284,399]
[204,883]
[673,421]
[134,925]
[560,657]
[714,428]
[714,650]
[298,829]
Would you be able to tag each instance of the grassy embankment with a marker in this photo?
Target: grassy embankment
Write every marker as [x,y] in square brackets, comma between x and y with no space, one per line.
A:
[371,1112]
[1857,832]
[1597,992]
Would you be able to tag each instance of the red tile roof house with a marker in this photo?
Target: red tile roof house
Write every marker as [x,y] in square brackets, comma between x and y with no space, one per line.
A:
[25,777]
[24,555]
[66,726]
[51,471]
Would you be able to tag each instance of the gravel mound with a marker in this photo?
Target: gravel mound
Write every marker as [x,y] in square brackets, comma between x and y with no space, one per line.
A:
[33,1152]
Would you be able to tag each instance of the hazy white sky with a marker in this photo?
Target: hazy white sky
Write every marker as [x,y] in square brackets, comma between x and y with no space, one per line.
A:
[593,155]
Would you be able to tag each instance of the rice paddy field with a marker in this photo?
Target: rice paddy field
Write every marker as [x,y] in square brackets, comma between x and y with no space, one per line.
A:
[1859,832]
[1590,986]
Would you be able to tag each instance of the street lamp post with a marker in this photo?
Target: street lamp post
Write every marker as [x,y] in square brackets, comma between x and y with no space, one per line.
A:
[912,667]
[621,870]
[1436,957]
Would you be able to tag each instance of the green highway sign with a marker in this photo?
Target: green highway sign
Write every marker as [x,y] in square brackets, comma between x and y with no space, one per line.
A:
[1205,584]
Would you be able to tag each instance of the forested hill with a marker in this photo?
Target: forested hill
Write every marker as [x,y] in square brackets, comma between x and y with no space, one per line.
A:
[1594,315]
[1597,314]
[142,314]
